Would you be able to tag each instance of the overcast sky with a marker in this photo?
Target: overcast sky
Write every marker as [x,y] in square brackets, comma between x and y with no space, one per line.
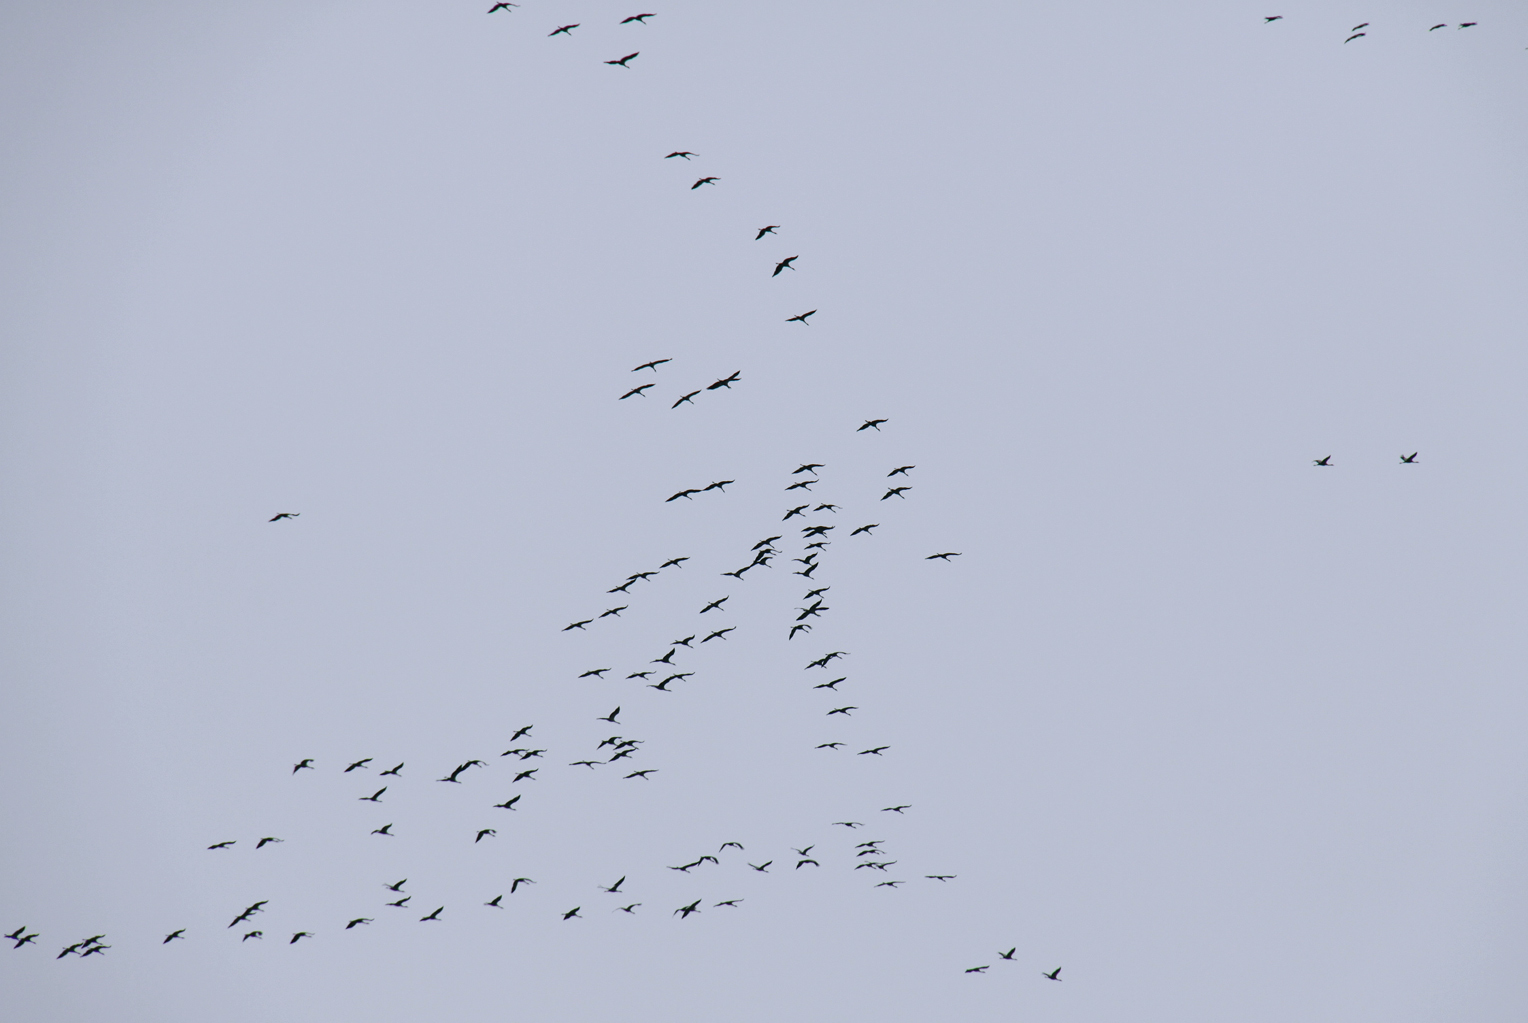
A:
[1222,734]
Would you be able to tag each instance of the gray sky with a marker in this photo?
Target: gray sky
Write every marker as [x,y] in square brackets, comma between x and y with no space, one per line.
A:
[1221,734]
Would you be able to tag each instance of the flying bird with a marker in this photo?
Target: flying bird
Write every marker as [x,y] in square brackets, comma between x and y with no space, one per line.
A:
[566,30]
[266,841]
[223,845]
[494,902]
[897,491]
[842,710]
[627,909]
[895,809]
[769,229]
[304,765]
[979,969]
[615,887]
[507,804]
[594,672]
[784,264]
[801,318]
[871,422]
[716,604]
[684,154]
[1008,954]
[704,181]
[375,797]
[1349,39]
[636,390]
[1052,975]
[1468,24]
[400,904]
[610,717]
[640,19]
[1410,459]
[486,831]
[1275,17]
[693,907]
[1441,24]
[684,399]
[890,884]
[517,882]
[726,382]
[829,745]
[299,935]
[1327,461]
[283,515]
[623,60]
[252,934]
[877,751]
[656,362]
[570,914]
[676,561]
[433,916]
[851,825]
[946,556]
[578,625]
[357,921]
[643,774]
[384,830]
[526,774]
[730,902]
[502,5]
[865,529]
[1355,28]
[802,863]
[796,511]
[181,934]
[396,887]
[392,770]
[720,634]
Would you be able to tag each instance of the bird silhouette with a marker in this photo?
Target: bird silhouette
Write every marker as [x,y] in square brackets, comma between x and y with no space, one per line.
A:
[433,916]
[876,423]
[494,902]
[1053,975]
[526,774]
[768,229]
[392,770]
[502,5]
[636,390]
[1349,39]
[1410,459]
[829,745]
[1275,17]
[946,556]
[252,934]
[1008,954]
[726,382]
[979,969]
[267,841]
[570,914]
[181,934]
[565,30]
[1327,461]
[300,935]
[223,845]
[375,797]
[685,398]
[283,515]
[865,529]
[486,831]
[656,362]
[578,625]
[401,903]
[358,921]
[396,887]
[611,716]
[804,862]
[684,154]
[704,181]
[894,809]
[640,19]
[717,604]
[303,765]
[720,634]
[683,912]
[613,889]
[384,830]
[627,909]
[896,491]
[507,804]
[801,318]
[594,672]
[762,868]
[623,60]
[877,751]
[784,264]
[517,882]
[842,710]
[643,774]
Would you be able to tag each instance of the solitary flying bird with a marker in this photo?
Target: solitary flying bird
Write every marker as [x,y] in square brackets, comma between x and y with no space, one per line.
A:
[566,30]
[1410,459]
[267,841]
[1327,461]
[384,830]
[494,902]
[704,181]
[181,934]
[1052,975]
[652,365]
[946,556]
[801,318]
[570,914]
[1276,17]
[640,19]
[304,765]
[283,515]
[979,969]
[770,229]
[610,717]
[871,423]
[784,264]
[486,831]
[682,153]
[223,845]
[623,60]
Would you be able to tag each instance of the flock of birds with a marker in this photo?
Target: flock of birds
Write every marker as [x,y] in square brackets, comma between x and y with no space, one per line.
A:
[817,528]
[1357,31]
